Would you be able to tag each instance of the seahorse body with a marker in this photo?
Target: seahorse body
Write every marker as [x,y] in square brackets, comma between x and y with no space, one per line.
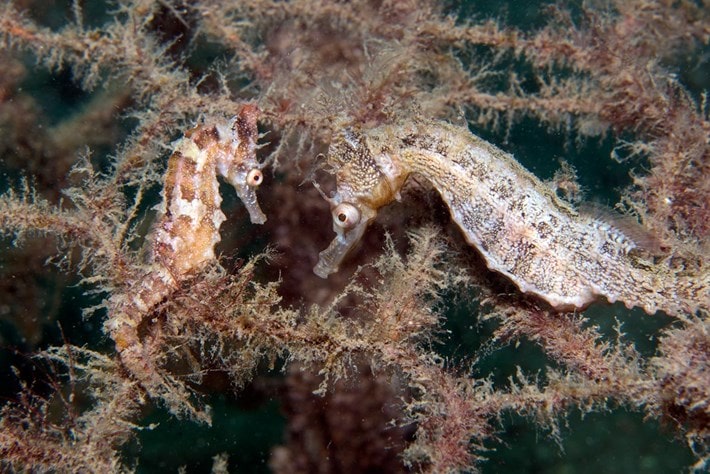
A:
[520,226]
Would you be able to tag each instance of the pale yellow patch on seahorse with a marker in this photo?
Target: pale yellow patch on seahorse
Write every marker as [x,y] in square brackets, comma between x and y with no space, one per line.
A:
[518,224]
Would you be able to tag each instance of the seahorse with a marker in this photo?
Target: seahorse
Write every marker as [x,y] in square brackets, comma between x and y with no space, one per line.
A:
[518,224]
[187,229]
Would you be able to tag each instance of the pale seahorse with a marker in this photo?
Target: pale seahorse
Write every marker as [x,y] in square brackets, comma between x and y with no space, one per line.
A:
[518,224]
[187,230]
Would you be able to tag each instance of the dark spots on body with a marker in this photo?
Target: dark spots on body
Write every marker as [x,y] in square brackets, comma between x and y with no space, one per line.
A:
[543,229]
[245,127]
[607,248]
[204,136]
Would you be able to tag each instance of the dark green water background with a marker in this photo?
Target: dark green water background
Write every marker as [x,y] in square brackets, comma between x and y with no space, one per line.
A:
[617,441]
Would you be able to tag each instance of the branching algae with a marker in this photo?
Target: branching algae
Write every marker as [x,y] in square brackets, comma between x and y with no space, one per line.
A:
[519,225]
[370,383]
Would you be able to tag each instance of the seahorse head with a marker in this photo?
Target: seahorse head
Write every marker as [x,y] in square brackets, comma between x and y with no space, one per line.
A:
[237,162]
[367,178]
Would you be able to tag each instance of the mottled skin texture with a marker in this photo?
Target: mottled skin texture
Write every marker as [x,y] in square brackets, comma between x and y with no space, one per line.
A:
[188,226]
[519,225]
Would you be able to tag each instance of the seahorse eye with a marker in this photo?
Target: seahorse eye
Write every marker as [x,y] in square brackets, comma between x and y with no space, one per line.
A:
[254,178]
[346,215]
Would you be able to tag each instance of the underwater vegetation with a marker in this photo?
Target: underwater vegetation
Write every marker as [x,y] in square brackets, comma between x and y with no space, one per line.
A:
[403,223]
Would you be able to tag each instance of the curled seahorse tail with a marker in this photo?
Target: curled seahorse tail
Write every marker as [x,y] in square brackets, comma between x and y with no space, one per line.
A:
[126,314]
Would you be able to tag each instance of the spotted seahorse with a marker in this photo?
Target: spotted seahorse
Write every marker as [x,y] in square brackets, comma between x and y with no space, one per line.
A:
[518,224]
[183,239]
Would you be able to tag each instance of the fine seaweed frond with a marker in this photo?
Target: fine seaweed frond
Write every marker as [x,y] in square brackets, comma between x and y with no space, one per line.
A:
[156,161]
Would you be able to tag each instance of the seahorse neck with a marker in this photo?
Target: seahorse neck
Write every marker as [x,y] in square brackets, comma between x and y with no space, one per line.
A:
[441,153]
